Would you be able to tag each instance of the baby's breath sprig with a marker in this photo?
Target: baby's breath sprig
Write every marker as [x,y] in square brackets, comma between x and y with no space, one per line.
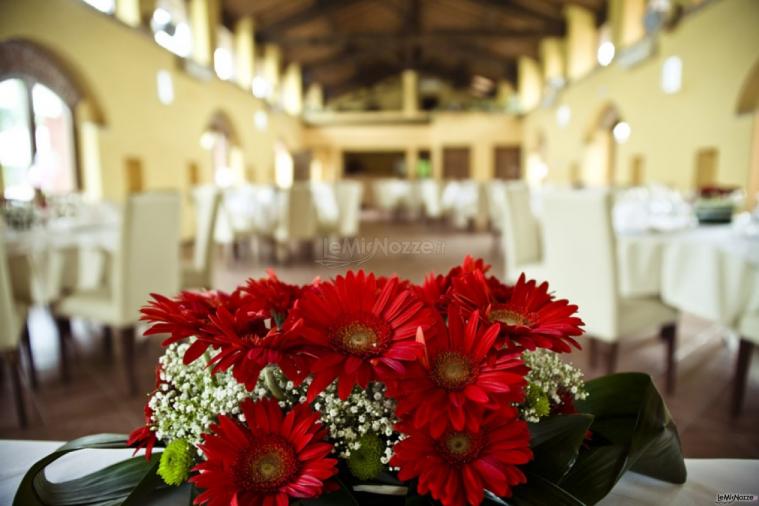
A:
[548,379]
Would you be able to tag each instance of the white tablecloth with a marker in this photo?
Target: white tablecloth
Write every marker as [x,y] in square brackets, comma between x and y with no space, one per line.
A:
[64,254]
[709,271]
[706,478]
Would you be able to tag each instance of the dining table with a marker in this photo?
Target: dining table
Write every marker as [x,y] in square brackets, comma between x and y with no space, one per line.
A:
[708,479]
[61,253]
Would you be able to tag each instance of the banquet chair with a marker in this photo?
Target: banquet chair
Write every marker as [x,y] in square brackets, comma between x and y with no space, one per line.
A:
[521,234]
[236,218]
[324,196]
[14,331]
[582,267]
[146,262]
[496,203]
[199,273]
[430,194]
[748,328]
[349,195]
[297,219]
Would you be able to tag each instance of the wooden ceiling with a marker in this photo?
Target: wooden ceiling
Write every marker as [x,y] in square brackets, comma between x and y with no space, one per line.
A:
[348,44]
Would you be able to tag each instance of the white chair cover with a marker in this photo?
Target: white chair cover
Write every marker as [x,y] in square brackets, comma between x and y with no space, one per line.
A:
[349,195]
[327,206]
[297,218]
[10,320]
[521,234]
[430,195]
[199,273]
[581,265]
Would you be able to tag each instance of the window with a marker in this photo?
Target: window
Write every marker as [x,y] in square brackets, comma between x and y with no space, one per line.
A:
[36,140]
[171,28]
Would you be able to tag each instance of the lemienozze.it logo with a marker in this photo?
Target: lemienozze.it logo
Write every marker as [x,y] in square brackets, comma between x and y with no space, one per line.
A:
[732,498]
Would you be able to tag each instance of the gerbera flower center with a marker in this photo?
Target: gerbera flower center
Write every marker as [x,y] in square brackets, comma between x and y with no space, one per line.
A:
[452,370]
[267,464]
[459,447]
[362,338]
[509,317]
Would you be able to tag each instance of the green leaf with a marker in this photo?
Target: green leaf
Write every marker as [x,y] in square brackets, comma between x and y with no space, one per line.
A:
[555,443]
[632,429]
[105,487]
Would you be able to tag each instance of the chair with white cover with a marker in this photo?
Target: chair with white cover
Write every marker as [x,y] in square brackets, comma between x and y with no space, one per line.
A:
[327,206]
[748,328]
[199,273]
[349,195]
[522,244]
[14,332]
[297,218]
[145,262]
[237,218]
[430,194]
[581,264]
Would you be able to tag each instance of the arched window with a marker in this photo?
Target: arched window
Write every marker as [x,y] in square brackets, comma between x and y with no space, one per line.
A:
[171,26]
[36,140]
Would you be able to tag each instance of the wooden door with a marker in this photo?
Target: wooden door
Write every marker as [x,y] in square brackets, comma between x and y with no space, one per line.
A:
[508,162]
[456,163]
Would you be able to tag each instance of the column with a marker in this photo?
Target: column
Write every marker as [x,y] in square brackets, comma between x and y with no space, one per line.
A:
[581,41]
[552,58]
[245,50]
[128,11]
[272,60]
[293,90]
[530,83]
[204,18]
[626,19]
[410,82]
[436,160]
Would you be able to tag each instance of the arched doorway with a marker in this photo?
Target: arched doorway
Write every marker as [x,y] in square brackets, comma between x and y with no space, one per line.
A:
[40,105]
[220,139]
[599,154]
[748,103]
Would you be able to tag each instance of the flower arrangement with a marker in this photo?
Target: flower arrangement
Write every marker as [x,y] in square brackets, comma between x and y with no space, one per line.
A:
[372,390]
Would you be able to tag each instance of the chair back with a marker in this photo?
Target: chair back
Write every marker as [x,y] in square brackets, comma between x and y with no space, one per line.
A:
[207,201]
[149,251]
[10,325]
[298,219]
[326,204]
[580,256]
[496,203]
[521,232]
[430,194]
[349,195]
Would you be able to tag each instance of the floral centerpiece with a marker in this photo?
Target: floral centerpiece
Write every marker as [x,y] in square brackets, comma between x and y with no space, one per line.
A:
[372,390]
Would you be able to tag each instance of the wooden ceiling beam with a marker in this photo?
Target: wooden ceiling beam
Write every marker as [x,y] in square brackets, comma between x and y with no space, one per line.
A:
[396,38]
[318,9]
[549,24]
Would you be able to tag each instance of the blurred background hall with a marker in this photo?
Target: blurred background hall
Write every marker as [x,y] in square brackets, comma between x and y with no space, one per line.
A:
[610,147]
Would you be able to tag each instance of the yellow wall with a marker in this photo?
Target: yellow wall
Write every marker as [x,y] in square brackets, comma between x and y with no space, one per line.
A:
[119,63]
[718,44]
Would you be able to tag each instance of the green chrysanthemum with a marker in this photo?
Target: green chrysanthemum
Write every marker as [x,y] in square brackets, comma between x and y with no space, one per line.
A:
[538,400]
[176,461]
[364,463]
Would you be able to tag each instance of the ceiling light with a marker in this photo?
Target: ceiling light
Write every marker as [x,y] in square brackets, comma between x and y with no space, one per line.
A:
[261,120]
[165,87]
[563,115]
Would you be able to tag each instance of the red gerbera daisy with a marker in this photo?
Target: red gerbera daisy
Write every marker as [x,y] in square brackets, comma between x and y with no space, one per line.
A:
[144,437]
[457,467]
[456,380]
[529,316]
[246,345]
[184,316]
[266,460]
[356,330]
[272,296]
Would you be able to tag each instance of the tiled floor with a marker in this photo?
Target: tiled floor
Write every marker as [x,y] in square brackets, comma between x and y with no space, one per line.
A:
[95,400]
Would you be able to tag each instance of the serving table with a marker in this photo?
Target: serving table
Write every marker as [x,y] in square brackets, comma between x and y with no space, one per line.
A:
[706,477]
